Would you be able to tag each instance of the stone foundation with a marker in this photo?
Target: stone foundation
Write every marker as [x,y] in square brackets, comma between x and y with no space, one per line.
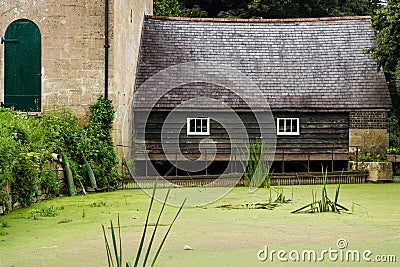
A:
[378,171]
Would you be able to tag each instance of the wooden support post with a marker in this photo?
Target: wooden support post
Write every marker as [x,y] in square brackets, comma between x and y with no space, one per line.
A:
[206,161]
[176,164]
[283,160]
[233,158]
[332,159]
[235,161]
[147,175]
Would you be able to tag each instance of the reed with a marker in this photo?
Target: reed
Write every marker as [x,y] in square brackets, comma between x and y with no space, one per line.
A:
[115,258]
[255,166]
[325,204]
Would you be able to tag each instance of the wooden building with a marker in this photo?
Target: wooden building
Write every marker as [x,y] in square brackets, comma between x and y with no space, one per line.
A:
[324,91]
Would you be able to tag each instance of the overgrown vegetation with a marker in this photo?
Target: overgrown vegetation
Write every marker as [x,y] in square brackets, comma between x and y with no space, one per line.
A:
[89,139]
[26,144]
[24,165]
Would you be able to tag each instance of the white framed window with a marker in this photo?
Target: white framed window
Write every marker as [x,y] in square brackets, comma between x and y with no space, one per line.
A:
[287,126]
[198,126]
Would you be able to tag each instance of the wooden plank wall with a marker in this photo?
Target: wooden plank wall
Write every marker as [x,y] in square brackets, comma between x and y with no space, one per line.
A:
[322,136]
[189,145]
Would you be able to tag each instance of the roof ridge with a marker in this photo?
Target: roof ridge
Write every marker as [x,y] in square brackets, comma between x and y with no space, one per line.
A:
[258,20]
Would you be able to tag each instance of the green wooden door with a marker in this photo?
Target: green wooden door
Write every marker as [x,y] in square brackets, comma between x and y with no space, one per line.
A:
[22,65]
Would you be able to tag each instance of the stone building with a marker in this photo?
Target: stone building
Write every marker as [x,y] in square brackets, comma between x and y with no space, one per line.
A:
[68,39]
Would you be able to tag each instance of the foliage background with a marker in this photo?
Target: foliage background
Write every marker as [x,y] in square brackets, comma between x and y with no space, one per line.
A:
[386,24]
[264,8]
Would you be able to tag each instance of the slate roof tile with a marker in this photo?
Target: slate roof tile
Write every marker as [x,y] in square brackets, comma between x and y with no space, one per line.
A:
[313,63]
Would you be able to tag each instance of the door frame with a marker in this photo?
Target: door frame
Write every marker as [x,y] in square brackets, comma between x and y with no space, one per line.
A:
[22,66]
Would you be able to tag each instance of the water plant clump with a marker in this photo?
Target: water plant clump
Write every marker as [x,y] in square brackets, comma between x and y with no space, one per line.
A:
[256,165]
[44,211]
[325,204]
[280,197]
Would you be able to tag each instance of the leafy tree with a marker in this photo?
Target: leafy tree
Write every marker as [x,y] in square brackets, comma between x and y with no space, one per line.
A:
[283,9]
[194,12]
[212,7]
[169,8]
[386,24]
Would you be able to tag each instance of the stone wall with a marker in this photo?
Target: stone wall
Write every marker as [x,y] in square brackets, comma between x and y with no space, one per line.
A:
[128,16]
[368,131]
[368,120]
[73,50]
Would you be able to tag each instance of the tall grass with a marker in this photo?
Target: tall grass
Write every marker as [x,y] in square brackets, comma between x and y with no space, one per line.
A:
[325,204]
[280,197]
[115,258]
[254,160]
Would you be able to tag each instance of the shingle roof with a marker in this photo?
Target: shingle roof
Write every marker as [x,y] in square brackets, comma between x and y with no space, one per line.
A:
[297,63]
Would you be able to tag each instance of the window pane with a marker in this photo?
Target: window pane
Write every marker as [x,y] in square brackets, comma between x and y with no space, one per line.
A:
[294,126]
[198,125]
[204,125]
[288,126]
[281,126]
[192,125]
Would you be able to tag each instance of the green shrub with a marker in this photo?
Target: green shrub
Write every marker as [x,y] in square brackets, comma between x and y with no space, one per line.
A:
[20,162]
[100,152]
[90,140]
[26,144]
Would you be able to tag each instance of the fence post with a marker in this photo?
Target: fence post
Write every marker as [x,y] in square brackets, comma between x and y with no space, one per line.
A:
[357,158]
